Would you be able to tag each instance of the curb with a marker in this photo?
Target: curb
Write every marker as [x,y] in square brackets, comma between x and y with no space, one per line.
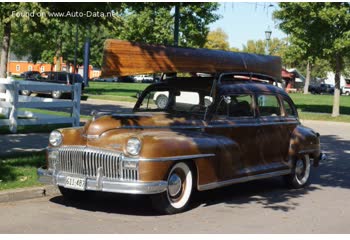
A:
[28,193]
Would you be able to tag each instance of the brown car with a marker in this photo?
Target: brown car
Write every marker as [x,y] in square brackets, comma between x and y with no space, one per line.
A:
[249,131]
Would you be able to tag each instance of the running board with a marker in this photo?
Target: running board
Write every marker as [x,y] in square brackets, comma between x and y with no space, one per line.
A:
[242,180]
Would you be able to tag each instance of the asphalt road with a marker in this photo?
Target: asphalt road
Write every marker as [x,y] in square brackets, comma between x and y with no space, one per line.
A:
[257,207]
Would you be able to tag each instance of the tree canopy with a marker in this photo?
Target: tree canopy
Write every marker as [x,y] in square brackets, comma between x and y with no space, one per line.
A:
[217,39]
[319,30]
[52,36]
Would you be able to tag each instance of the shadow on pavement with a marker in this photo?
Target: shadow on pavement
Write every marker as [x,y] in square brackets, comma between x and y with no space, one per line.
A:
[111,203]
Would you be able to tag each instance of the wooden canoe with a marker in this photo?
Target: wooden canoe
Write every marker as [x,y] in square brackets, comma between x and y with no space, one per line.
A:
[124,58]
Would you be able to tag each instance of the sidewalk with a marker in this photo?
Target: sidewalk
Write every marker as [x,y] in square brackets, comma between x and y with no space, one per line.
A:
[23,143]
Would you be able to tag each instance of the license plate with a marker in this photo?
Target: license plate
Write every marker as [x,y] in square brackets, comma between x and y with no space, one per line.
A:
[75,183]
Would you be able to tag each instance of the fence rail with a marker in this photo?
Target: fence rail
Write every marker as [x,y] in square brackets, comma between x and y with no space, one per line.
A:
[12,103]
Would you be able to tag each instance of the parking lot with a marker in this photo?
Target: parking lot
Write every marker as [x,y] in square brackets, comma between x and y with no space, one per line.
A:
[256,207]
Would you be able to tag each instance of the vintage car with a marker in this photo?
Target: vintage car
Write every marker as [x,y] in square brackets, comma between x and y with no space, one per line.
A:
[250,131]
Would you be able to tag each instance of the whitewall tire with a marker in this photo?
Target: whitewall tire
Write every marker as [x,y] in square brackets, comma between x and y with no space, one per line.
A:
[180,187]
[300,172]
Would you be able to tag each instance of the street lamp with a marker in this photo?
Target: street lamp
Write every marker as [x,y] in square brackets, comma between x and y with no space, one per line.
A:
[268,33]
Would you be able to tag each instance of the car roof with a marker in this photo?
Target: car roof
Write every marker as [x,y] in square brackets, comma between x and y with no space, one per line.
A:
[252,88]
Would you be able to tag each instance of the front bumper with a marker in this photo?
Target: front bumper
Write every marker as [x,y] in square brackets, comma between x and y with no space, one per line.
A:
[103,184]
[322,157]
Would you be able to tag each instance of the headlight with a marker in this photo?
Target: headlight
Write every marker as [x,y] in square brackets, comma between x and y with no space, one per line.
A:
[55,138]
[133,146]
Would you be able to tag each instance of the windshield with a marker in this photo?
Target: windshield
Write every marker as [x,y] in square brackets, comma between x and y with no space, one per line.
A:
[175,101]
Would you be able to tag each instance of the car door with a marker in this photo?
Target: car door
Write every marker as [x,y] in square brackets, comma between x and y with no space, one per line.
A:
[273,134]
[235,125]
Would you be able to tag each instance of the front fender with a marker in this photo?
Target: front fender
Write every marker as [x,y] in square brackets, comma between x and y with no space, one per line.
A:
[213,157]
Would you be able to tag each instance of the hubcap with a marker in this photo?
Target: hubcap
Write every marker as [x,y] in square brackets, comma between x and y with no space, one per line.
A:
[174,185]
[299,169]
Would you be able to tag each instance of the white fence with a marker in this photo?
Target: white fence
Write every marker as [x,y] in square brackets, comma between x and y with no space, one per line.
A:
[11,103]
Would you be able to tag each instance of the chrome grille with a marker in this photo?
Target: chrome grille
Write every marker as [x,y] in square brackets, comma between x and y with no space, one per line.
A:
[86,161]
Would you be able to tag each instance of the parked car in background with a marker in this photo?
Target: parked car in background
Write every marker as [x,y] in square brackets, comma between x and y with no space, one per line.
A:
[29,74]
[55,77]
[143,78]
[127,79]
[108,79]
[346,90]
[323,88]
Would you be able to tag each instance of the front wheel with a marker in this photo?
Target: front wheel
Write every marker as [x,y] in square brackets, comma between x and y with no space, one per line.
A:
[177,197]
[300,172]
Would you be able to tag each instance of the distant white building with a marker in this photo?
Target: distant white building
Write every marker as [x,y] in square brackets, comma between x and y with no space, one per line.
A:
[330,79]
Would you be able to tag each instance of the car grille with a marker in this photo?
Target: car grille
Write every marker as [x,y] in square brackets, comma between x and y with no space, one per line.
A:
[86,161]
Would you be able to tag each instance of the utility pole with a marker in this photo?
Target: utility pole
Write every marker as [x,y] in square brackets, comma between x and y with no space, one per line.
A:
[176,24]
[87,59]
[76,48]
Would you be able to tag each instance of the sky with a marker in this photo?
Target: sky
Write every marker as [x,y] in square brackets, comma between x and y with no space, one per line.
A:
[243,21]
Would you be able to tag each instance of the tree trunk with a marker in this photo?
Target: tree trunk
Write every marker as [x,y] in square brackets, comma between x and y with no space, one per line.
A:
[307,80]
[5,49]
[336,97]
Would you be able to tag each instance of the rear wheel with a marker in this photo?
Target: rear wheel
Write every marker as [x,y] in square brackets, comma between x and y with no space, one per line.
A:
[177,197]
[300,172]
[162,101]
[26,92]
[347,93]
[56,94]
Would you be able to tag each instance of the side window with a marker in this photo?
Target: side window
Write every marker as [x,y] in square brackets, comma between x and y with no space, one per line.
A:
[62,78]
[235,106]
[269,105]
[155,100]
[288,108]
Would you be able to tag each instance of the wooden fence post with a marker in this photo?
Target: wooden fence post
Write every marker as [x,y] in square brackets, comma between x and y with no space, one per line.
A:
[76,104]
[14,102]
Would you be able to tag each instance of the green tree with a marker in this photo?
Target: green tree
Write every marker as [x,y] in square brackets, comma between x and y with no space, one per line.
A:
[217,39]
[276,47]
[145,22]
[319,30]
[8,15]
[154,23]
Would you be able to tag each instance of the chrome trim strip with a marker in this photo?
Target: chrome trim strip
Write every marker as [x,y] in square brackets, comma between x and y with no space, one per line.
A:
[255,124]
[123,157]
[173,158]
[242,180]
[309,150]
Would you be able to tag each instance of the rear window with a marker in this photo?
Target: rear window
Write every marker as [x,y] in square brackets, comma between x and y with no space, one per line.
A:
[269,105]
[288,108]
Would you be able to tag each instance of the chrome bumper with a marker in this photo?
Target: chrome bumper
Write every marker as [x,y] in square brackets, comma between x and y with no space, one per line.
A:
[103,184]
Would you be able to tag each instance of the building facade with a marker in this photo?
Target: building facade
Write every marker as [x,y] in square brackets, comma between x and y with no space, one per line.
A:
[17,65]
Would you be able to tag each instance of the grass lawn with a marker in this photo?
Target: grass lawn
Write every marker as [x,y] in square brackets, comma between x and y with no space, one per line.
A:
[319,107]
[114,91]
[20,171]
[319,103]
